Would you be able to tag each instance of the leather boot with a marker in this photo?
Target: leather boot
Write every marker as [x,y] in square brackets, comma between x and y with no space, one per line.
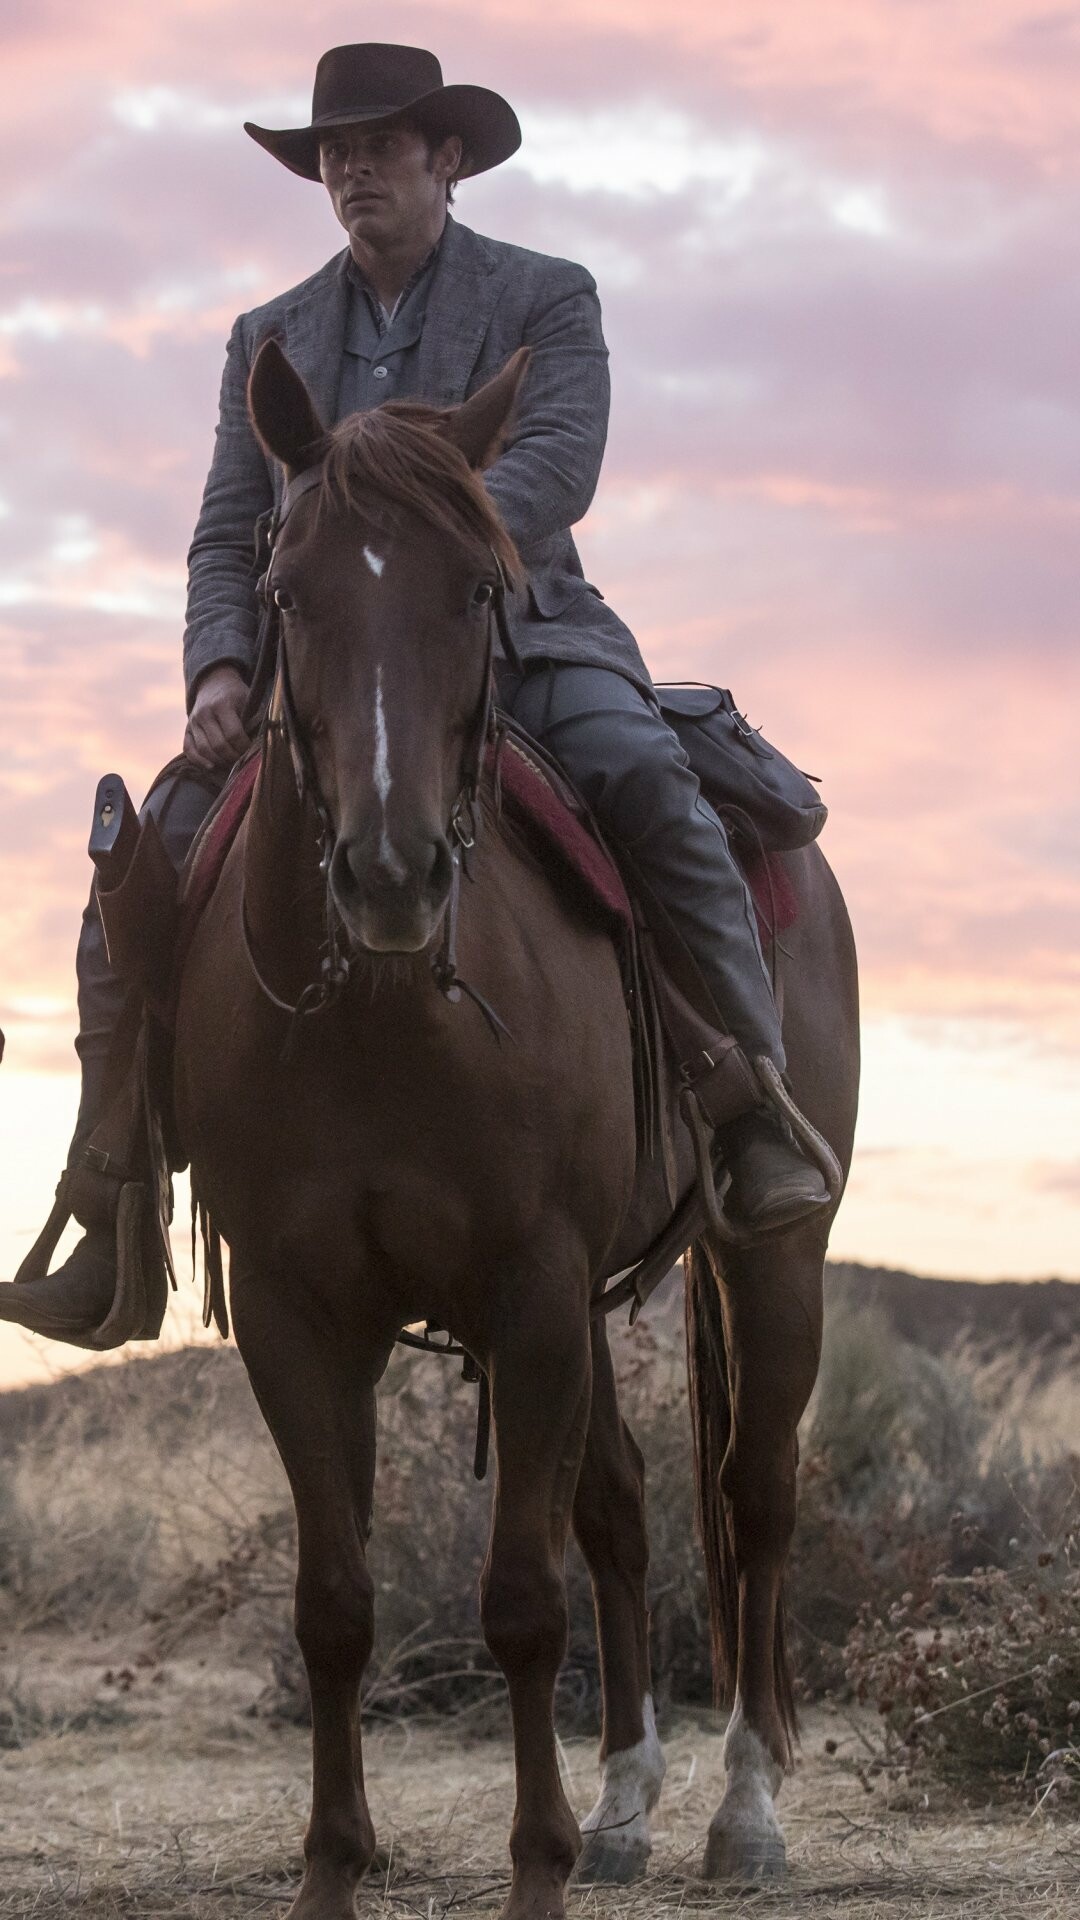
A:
[110,1288]
[71,1303]
[74,1302]
[773,1186]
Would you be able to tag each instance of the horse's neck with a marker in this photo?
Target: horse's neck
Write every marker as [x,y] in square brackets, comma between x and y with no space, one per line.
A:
[284,891]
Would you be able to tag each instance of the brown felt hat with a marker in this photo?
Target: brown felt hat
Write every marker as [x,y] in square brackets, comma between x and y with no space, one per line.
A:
[376,84]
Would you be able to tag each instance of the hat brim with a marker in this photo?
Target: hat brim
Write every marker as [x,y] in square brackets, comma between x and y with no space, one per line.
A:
[486,124]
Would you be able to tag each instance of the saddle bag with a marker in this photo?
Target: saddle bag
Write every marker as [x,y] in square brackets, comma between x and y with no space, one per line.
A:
[761,796]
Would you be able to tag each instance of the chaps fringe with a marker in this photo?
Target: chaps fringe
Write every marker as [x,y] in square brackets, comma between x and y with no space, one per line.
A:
[215,1308]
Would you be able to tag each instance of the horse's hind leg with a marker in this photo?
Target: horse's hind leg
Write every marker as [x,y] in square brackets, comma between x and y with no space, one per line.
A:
[315,1387]
[754,1348]
[539,1373]
[609,1521]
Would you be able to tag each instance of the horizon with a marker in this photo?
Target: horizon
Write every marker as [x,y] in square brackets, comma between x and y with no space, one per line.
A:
[843,467]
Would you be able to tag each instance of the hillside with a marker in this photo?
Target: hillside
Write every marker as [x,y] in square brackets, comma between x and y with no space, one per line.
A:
[1033,1319]
[1036,1323]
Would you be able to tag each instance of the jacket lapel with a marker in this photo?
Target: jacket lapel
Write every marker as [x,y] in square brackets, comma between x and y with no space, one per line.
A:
[315,336]
[463,297]
[461,300]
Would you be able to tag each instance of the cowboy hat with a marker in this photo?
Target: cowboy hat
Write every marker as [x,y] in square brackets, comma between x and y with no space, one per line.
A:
[377,84]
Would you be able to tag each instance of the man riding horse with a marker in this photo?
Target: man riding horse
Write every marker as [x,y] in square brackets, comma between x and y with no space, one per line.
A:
[418,307]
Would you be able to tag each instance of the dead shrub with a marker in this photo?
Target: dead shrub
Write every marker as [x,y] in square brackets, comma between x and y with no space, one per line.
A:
[906,1472]
[148,1498]
[124,1482]
[978,1683]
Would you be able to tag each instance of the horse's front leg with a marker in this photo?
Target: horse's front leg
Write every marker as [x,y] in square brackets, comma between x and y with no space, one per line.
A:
[609,1522]
[314,1381]
[539,1372]
[767,1316]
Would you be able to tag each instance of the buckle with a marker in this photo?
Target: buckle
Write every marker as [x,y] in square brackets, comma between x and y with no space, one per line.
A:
[97,1159]
[697,1069]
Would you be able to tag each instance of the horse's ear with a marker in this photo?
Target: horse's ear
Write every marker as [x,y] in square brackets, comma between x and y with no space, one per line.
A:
[480,427]
[281,410]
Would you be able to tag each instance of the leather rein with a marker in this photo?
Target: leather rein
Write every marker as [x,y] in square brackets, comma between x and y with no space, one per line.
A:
[464,819]
[632,1287]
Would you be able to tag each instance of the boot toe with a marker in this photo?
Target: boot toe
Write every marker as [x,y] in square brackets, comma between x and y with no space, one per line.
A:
[772,1186]
[76,1298]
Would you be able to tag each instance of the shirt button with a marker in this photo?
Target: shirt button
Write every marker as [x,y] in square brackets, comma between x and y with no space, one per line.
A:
[379,373]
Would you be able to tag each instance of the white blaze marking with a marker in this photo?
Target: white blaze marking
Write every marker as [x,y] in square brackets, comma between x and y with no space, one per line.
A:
[374,562]
[382,744]
[381,772]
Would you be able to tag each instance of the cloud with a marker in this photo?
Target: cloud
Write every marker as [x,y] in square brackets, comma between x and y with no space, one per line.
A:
[844,465]
[1059,1178]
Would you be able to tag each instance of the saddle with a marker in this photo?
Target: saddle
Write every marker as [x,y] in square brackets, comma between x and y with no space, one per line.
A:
[150,920]
[556,823]
[534,799]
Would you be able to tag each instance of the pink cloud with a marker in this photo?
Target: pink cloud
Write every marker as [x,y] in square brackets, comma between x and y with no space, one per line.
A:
[844,469]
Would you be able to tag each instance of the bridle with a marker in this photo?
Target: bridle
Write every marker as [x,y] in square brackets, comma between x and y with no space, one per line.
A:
[463,823]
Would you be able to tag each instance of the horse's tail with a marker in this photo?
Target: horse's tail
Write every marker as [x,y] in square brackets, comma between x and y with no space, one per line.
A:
[710,1418]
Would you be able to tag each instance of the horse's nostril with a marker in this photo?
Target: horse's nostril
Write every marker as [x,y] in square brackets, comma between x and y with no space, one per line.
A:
[440,871]
[342,878]
[382,874]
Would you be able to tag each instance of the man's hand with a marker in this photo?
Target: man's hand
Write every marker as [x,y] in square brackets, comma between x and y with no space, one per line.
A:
[215,734]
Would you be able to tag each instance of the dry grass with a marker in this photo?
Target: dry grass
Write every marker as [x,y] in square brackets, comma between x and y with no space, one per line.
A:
[149,1498]
[196,1811]
[148,1765]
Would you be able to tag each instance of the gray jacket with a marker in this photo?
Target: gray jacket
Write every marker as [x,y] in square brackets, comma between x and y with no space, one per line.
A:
[487,299]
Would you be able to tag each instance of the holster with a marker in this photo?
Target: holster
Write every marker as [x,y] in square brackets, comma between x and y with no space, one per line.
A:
[139,913]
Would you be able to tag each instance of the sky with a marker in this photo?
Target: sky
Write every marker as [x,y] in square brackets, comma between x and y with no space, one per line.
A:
[836,250]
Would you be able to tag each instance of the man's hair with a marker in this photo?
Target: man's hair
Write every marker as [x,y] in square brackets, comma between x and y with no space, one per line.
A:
[433,142]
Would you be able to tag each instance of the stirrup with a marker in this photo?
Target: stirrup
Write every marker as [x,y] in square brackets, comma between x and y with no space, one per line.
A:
[773,1093]
[814,1144]
[142,1284]
[702,1135]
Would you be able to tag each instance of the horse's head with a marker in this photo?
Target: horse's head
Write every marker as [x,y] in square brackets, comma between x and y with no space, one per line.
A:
[384,568]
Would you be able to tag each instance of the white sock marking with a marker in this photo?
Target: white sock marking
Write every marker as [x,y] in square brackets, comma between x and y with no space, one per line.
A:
[629,1790]
[745,1831]
[374,562]
[748,1762]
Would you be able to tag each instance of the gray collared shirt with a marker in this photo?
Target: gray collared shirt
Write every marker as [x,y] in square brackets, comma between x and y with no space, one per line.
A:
[380,355]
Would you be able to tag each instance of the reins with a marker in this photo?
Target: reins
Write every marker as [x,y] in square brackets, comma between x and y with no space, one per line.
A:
[464,817]
[272,704]
[272,690]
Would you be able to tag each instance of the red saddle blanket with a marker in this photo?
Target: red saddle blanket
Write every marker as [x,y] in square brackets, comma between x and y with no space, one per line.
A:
[561,836]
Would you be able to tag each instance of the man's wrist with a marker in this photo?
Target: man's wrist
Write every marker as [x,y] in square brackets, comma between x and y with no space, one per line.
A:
[239,667]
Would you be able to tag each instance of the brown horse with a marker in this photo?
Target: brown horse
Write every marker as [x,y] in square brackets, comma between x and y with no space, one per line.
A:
[388,1160]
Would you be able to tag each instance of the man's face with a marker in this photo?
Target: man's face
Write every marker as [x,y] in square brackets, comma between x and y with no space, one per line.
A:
[385,183]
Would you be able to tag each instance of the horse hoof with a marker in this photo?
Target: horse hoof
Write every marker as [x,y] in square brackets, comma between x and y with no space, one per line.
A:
[614,1859]
[541,1899]
[731,1855]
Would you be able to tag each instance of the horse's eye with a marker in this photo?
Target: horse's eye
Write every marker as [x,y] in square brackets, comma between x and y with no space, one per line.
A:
[483,594]
[283,599]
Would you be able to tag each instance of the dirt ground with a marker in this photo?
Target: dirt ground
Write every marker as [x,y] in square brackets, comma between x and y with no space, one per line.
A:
[156,1792]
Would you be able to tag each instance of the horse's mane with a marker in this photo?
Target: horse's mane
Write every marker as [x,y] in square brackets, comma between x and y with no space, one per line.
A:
[399,456]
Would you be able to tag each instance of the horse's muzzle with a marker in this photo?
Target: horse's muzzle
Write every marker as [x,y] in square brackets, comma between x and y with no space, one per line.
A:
[391,900]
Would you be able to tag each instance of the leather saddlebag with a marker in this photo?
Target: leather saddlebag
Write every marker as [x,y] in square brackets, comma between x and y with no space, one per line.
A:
[763,798]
